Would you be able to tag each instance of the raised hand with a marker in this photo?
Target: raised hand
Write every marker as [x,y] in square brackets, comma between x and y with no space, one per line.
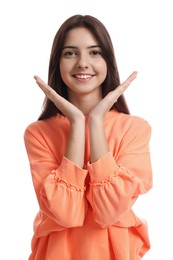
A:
[67,108]
[76,141]
[98,142]
[107,102]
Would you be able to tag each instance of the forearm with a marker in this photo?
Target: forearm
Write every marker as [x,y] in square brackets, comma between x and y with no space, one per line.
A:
[76,143]
[67,182]
[98,143]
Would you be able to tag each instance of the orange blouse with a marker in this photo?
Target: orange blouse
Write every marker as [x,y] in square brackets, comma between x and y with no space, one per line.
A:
[86,214]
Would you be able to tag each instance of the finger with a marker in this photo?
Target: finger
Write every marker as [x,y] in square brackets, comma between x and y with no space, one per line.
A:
[123,86]
[41,83]
[49,92]
[129,80]
[133,75]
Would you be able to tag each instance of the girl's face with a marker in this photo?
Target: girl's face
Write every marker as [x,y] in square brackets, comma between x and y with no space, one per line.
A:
[82,66]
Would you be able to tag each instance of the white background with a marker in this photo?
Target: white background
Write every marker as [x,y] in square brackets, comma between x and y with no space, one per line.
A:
[141,34]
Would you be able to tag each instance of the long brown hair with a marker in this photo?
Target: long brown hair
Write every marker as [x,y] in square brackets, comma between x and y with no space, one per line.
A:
[54,77]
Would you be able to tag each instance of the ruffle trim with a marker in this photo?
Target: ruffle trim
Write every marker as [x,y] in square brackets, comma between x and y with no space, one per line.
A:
[57,179]
[109,179]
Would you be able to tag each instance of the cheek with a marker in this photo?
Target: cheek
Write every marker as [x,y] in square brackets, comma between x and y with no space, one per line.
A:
[62,67]
[103,69]
[64,70]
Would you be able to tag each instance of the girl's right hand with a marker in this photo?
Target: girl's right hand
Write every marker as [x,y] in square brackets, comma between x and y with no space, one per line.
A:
[68,109]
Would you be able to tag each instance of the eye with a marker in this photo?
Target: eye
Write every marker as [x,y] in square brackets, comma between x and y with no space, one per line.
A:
[96,53]
[69,53]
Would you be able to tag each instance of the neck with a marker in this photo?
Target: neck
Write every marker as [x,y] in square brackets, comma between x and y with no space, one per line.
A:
[85,102]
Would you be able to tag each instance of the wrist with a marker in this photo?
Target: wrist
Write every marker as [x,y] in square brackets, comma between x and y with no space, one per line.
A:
[95,121]
[78,120]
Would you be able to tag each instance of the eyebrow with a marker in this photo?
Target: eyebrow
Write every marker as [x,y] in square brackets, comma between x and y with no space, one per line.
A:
[75,47]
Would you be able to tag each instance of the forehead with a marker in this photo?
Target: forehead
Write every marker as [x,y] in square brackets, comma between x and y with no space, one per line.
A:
[80,36]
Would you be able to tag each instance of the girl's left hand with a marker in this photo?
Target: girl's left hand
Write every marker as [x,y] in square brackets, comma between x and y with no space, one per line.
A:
[107,102]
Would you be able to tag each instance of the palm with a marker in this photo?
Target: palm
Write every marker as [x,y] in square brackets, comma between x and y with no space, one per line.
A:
[67,108]
[107,102]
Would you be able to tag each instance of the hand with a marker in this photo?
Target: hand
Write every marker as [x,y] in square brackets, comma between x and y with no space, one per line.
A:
[98,141]
[68,109]
[107,102]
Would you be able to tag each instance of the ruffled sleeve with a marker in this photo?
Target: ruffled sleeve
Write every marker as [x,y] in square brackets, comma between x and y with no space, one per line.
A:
[117,180]
[62,196]
[60,187]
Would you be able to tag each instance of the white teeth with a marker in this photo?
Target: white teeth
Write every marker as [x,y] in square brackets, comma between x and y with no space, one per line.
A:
[83,76]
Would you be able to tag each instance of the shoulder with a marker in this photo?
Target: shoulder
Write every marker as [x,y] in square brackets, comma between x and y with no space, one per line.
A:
[135,127]
[130,124]
[39,127]
[135,121]
[128,119]
[47,129]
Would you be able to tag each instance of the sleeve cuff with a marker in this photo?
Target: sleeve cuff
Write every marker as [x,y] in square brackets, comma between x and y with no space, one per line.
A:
[71,173]
[102,168]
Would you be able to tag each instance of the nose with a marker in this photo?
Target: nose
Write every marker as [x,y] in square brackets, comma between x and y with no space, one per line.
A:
[83,61]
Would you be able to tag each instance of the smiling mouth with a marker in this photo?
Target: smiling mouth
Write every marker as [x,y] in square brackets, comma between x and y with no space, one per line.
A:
[83,76]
